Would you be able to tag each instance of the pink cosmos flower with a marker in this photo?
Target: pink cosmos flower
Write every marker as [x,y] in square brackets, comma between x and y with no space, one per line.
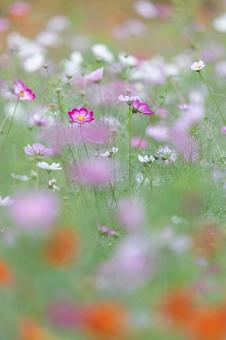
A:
[93,171]
[81,115]
[64,314]
[23,92]
[131,264]
[141,107]
[37,150]
[223,130]
[131,214]
[34,210]
[139,143]
[20,9]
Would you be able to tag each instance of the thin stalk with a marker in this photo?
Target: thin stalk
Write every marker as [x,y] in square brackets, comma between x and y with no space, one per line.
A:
[10,124]
[211,93]
[129,142]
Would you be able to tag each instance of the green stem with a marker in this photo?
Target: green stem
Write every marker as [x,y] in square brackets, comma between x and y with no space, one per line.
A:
[211,93]
[129,142]
[10,124]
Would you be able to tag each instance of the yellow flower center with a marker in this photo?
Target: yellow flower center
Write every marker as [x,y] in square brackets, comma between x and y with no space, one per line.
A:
[21,94]
[80,118]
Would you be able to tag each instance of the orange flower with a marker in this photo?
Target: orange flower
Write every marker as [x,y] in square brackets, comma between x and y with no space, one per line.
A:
[5,274]
[208,324]
[62,247]
[106,320]
[30,330]
[178,307]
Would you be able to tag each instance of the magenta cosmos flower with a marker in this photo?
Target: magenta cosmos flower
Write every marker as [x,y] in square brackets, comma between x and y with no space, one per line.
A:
[80,115]
[23,92]
[141,107]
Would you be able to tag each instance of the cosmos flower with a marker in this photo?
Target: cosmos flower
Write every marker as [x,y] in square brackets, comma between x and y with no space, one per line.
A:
[6,276]
[34,210]
[102,52]
[81,115]
[23,92]
[62,247]
[93,171]
[109,153]
[19,9]
[141,107]
[139,143]
[37,150]
[49,167]
[5,201]
[197,66]
[146,159]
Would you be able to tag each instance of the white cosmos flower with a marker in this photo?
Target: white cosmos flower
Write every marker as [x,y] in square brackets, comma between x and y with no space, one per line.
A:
[21,178]
[102,52]
[145,159]
[197,66]
[49,167]
[220,23]
[5,201]
[127,99]
[109,153]
[127,60]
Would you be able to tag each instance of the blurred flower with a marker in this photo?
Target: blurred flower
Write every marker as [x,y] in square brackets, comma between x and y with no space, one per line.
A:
[80,115]
[141,107]
[131,214]
[130,266]
[48,38]
[6,276]
[128,99]
[166,154]
[93,171]
[34,210]
[130,28]
[139,143]
[62,247]
[109,153]
[23,92]
[219,23]
[58,23]
[49,167]
[19,9]
[158,132]
[197,66]
[223,130]
[94,77]
[65,314]
[146,159]
[103,230]
[21,178]
[208,322]
[106,320]
[30,330]
[178,307]
[127,60]
[37,150]
[146,9]
[4,24]
[5,201]
[102,52]
[38,120]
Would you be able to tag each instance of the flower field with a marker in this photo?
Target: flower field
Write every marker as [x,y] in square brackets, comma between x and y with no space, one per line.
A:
[112,178]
